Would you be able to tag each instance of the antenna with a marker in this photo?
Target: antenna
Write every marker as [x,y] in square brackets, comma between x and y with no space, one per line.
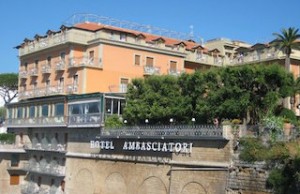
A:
[191,35]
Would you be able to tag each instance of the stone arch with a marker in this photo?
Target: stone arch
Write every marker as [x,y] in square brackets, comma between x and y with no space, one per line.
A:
[152,185]
[115,184]
[85,182]
[193,187]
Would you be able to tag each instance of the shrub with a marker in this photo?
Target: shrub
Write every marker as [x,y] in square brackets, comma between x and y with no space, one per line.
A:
[7,138]
[252,150]
[113,121]
[288,115]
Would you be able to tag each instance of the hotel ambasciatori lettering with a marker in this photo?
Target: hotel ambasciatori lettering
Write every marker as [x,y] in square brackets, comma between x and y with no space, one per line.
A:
[146,146]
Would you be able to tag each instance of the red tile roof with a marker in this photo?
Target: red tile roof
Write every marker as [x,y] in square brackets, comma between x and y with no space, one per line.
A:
[190,45]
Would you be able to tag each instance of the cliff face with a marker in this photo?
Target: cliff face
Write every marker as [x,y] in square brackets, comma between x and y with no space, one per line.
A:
[247,178]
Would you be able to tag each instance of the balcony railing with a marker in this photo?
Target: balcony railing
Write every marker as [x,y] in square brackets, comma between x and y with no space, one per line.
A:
[86,120]
[175,72]
[30,188]
[36,122]
[46,69]
[45,168]
[167,131]
[23,74]
[85,62]
[72,89]
[15,167]
[33,72]
[150,70]
[60,65]
[39,92]
[46,145]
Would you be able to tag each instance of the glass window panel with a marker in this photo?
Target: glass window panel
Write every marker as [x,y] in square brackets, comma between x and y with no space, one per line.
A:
[59,109]
[94,107]
[45,109]
[20,113]
[108,102]
[115,106]
[32,112]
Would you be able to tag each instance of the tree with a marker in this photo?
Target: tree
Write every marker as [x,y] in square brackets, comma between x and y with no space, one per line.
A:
[8,86]
[287,40]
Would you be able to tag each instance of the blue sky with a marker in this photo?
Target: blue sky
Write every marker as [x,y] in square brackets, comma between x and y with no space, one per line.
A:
[250,21]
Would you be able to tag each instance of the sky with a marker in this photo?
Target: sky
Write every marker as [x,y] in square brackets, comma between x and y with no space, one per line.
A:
[250,21]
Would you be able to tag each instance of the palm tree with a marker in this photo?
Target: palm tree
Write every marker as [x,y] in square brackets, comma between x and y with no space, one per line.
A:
[286,41]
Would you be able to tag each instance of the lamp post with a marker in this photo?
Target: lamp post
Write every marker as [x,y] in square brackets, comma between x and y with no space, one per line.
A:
[146,121]
[193,121]
[125,121]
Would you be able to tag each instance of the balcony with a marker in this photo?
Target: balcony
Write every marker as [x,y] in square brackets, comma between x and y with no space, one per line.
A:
[85,62]
[23,74]
[36,122]
[46,69]
[60,65]
[46,145]
[8,147]
[17,167]
[151,70]
[33,72]
[175,72]
[168,132]
[86,120]
[44,168]
[33,188]
[72,89]
[39,92]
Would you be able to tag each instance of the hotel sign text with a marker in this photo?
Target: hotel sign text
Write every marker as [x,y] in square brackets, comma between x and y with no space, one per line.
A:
[177,147]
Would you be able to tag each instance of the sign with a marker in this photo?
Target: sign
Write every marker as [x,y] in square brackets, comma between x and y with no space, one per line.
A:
[177,147]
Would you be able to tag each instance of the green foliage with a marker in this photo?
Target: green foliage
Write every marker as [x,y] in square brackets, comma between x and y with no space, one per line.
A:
[288,115]
[2,112]
[285,179]
[252,150]
[224,93]
[8,86]
[7,138]
[113,121]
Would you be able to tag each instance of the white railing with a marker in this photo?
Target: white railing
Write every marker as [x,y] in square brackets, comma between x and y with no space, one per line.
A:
[38,121]
[46,68]
[84,62]
[151,70]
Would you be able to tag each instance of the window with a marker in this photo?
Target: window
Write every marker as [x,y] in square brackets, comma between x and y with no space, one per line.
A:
[31,112]
[20,113]
[49,60]
[108,106]
[45,109]
[149,61]
[36,63]
[59,109]
[111,35]
[84,108]
[137,59]
[62,56]
[14,179]
[123,37]
[15,159]
[91,54]
[173,66]
[47,83]
[75,80]
[35,85]
[124,83]
[25,66]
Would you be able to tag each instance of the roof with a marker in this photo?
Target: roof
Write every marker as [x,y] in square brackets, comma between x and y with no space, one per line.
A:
[190,45]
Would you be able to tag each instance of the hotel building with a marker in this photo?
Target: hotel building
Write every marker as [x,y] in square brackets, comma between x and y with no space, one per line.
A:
[71,79]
